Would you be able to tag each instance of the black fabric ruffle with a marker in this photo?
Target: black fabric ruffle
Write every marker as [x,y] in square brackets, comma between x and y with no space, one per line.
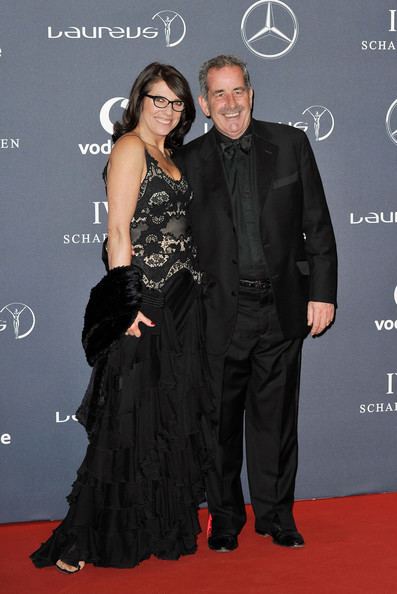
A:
[151,444]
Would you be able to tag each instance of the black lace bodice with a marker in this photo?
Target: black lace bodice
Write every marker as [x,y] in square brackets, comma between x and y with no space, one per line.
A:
[159,230]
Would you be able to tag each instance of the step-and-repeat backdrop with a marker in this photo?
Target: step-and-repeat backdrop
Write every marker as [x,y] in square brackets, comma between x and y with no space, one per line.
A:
[328,68]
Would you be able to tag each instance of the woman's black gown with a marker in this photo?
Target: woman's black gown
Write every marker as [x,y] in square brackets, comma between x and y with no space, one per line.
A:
[142,479]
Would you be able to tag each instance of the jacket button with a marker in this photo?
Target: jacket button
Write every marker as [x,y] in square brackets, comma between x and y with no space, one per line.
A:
[234,293]
[234,261]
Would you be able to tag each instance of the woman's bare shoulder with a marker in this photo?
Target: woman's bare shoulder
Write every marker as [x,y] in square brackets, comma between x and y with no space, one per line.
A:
[128,147]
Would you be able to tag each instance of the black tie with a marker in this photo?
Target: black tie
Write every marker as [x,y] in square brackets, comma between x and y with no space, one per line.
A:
[229,148]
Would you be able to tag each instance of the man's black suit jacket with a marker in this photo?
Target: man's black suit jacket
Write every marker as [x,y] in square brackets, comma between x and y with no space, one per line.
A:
[295,226]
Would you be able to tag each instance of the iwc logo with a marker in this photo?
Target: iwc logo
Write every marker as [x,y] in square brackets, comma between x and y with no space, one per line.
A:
[391,122]
[20,317]
[269,29]
[389,406]
[383,45]
[9,143]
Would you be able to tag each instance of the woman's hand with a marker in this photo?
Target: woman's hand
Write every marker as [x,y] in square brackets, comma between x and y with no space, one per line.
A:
[134,330]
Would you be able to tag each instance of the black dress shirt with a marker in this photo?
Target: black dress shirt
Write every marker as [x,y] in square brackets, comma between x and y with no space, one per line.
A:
[239,166]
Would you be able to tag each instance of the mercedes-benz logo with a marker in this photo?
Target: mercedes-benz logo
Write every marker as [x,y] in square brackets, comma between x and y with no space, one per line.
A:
[22,317]
[278,34]
[323,121]
[178,26]
[104,114]
[391,122]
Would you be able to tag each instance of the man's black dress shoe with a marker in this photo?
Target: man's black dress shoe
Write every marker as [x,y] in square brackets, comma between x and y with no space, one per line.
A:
[223,544]
[284,537]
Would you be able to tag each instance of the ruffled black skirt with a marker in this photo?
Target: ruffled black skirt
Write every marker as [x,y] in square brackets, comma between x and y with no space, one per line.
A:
[149,414]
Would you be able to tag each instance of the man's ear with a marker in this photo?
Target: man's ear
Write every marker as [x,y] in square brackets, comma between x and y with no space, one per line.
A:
[251,96]
[204,106]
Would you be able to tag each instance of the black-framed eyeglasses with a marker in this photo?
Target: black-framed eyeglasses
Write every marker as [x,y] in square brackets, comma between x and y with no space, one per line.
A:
[163,102]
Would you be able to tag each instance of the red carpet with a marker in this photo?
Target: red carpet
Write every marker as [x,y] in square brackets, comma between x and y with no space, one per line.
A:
[351,549]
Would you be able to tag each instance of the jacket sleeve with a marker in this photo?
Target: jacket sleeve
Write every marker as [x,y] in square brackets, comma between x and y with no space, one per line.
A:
[319,235]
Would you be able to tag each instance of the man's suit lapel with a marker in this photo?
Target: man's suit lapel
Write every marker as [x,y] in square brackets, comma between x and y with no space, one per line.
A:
[265,162]
[214,174]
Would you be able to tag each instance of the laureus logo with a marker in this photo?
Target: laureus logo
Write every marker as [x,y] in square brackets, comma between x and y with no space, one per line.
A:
[20,317]
[172,23]
[323,121]
[269,29]
[391,122]
[174,26]
[64,418]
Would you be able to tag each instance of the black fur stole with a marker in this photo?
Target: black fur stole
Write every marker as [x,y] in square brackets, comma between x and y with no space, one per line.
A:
[113,305]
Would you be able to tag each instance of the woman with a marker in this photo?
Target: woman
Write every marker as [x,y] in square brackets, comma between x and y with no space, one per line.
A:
[147,409]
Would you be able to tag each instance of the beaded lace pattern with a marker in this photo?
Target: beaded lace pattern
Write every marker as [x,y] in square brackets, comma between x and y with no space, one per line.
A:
[159,229]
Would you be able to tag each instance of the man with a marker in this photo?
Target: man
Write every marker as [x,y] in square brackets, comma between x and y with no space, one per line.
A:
[266,247]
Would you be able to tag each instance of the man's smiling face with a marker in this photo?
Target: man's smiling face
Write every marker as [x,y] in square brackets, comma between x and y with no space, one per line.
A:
[229,101]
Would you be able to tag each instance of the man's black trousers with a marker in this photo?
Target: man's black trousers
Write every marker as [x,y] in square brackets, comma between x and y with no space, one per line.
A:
[257,379]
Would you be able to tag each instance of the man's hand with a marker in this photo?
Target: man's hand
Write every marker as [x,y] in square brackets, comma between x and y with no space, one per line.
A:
[319,316]
[133,330]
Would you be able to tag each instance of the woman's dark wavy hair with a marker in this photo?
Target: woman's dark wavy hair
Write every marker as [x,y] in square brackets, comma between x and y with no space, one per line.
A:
[177,83]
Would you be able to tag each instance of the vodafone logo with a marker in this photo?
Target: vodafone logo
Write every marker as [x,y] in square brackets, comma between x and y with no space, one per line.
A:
[110,112]
[104,115]
[387,324]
